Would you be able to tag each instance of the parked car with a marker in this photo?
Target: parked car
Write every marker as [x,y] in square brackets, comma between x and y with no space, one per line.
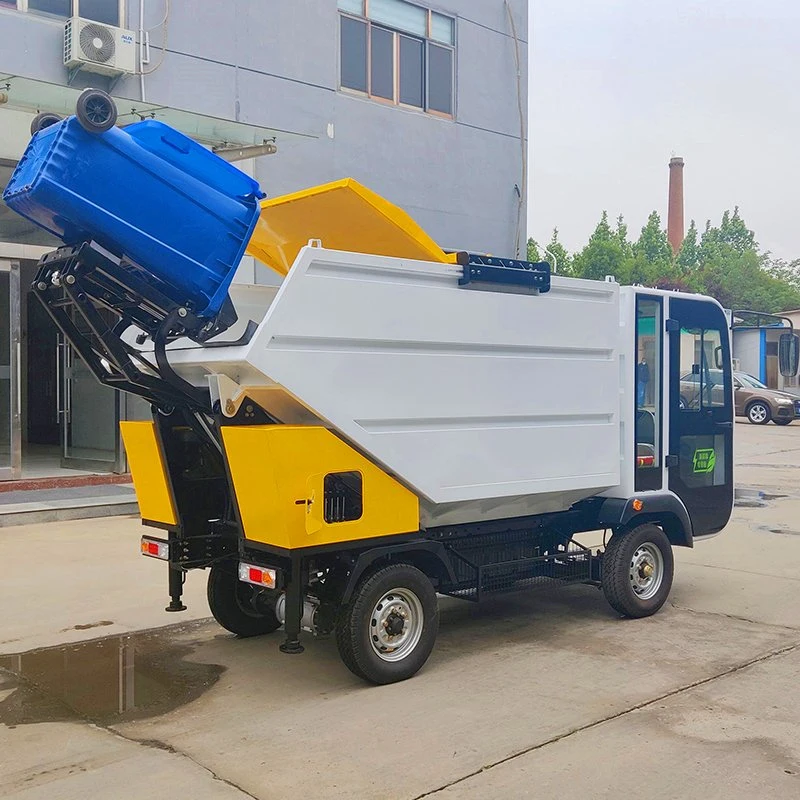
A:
[751,398]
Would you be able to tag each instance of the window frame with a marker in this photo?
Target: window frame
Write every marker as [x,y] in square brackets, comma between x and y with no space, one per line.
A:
[427,41]
[23,5]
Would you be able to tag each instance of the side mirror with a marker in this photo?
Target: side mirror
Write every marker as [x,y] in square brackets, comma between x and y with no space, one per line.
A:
[789,354]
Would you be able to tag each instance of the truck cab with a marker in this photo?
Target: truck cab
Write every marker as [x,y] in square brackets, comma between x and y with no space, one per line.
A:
[684,449]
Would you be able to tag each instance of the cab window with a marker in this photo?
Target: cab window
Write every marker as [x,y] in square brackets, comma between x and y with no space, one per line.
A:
[702,382]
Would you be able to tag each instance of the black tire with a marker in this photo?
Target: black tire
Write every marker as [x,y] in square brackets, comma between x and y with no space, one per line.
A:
[236,606]
[96,111]
[355,623]
[44,119]
[619,561]
[683,403]
[760,410]
[782,422]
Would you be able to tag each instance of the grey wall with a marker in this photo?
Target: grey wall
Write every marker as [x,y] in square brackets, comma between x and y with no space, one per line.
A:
[275,63]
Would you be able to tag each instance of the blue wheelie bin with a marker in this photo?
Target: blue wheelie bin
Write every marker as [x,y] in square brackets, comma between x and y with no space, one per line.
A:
[146,192]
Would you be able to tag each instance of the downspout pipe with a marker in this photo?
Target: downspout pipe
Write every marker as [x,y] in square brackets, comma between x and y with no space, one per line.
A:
[141,52]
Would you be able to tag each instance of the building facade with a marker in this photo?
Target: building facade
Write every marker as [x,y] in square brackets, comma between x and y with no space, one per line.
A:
[424,103]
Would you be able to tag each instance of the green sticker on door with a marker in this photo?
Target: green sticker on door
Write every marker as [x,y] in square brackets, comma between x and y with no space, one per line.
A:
[704,460]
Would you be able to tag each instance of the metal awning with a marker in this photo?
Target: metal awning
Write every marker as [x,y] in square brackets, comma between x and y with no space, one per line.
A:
[27,94]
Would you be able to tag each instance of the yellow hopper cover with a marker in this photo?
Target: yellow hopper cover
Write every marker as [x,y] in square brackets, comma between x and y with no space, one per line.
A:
[344,215]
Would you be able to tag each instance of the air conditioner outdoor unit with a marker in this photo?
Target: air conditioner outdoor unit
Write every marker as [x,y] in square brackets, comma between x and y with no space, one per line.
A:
[99,48]
[737,365]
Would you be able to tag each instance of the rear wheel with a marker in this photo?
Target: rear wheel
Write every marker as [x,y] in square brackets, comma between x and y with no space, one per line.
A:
[387,630]
[239,607]
[44,119]
[637,570]
[783,421]
[758,413]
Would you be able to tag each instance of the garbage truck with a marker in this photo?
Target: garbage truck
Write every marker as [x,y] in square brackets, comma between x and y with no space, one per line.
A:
[391,424]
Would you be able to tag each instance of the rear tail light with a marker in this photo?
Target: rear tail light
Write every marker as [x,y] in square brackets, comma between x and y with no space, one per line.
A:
[258,576]
[155,548]
[645,461]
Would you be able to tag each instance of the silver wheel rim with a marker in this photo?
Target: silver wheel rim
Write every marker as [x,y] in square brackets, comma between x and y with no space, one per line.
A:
[758,413]
[396,625]
[646,571]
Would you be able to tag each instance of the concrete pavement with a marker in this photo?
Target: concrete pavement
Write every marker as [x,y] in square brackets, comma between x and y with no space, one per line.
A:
[533,695]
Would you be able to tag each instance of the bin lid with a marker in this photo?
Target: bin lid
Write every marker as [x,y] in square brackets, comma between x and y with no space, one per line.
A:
[344,215]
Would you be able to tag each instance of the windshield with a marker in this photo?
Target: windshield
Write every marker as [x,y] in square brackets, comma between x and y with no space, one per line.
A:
[749,380]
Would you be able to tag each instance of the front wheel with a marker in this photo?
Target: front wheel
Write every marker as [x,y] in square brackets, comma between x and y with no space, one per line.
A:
[758,413]
[386,631]
[96,111]
[239,607]
[637,570]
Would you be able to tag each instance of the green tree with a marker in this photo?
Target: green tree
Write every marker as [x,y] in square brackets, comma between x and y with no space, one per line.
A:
[786,271]
[735,234]
[603,255]
[563,259]
[689,255]
[653,244]
[533,251]
[621,235]
[724,262]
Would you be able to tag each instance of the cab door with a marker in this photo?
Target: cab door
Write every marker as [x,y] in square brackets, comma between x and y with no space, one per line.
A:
[700,457]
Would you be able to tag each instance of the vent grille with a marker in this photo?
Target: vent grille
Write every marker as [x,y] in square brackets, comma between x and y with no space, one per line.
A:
[97,43]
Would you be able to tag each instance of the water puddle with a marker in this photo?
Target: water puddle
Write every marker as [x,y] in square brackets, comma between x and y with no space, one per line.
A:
[108,680]
[744,497]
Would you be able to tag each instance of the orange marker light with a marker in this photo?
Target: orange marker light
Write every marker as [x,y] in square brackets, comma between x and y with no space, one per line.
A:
[638,505]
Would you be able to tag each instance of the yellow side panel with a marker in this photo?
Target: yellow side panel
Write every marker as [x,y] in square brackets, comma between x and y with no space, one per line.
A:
[149,472]
[346,216]
[277,469]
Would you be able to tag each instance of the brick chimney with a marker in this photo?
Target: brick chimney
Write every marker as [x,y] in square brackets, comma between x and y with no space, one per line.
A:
[675,229]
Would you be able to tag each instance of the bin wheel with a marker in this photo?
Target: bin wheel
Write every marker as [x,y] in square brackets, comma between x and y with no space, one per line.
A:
[239,607]
[386,631]
[44,119]
[637,570]
[96,111]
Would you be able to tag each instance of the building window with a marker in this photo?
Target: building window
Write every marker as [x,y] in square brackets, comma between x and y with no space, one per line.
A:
[106,11]
[398,52]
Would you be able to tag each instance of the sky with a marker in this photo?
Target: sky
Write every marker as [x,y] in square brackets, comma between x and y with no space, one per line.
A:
[617,87]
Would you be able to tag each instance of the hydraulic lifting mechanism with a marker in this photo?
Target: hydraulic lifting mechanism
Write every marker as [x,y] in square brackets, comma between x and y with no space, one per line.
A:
[393,421]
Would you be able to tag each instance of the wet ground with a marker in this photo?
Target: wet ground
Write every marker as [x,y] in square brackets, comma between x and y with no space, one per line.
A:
[109,680]
[535,695]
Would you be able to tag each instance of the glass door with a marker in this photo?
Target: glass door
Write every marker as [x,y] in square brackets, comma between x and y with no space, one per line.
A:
[10,385]
[701,413]
[90,414]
